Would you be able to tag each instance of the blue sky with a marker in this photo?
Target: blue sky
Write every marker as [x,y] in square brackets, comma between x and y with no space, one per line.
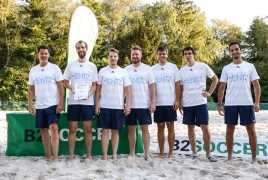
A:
[239,12]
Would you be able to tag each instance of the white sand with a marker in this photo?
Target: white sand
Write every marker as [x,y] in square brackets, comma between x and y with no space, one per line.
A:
[179,167]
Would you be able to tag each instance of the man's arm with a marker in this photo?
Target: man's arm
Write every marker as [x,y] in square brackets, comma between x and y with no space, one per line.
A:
[61,93]
[97,98]
[257,92]
[178,93]
[220,98]
[30,99]
[68,85]
[212,87]
[152,97]
[93,89]
[128,96]
[180,99]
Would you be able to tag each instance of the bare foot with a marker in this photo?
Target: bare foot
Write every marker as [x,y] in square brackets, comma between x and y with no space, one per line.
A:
[147,157]
[131,155]
[229,161]
[71,158]
[89,157]
[55,160]
[161,155]
[114,157]
[104,158]
[170,156]
[254,163]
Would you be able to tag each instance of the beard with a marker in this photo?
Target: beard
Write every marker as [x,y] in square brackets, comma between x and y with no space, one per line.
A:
[81,55]
[135,61]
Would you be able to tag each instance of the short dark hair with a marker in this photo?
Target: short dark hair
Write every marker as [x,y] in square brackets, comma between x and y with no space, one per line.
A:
[79,42]
[232,43]
[43,47]
[188,48]
[162,48]
[112,50]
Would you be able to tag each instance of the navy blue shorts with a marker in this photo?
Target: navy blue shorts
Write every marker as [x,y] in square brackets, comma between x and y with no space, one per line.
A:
[142,116]
[45,117]
[165,114]
[80,112]
[111,119]
[246,114]
[195,115]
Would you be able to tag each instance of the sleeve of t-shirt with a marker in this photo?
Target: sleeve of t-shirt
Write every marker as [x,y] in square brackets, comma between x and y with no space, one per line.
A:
[223,75]
[95,74]
[30,82]
[151,76]
[126,79]
[58,74]
[253,74]
[177,74]
[67,74]
[99,78]
[210,72]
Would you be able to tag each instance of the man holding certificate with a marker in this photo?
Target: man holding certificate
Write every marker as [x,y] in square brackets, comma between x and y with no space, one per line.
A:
[83,76]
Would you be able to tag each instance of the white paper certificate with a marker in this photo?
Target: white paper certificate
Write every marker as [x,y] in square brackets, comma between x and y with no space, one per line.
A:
[81,91]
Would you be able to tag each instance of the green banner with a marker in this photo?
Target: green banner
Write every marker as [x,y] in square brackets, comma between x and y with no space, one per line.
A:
[23,139]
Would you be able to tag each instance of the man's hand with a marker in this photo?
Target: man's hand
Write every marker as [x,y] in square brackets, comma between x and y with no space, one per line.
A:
[181,108]
[127,109]
[59,108]
[152,107]
[221,110]
[97,109]
[256,107]
[205,94]
[31,110]
[176,105]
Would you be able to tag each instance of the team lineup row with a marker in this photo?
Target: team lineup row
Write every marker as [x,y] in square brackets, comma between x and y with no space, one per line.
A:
[136,92]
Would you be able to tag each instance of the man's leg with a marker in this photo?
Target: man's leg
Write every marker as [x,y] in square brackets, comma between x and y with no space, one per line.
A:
[206,138]
[46,141]
[161,137]
[105,142]
[72,138]
[115,140]
[230,141]
[252,141]
[54,140]
[145,140]
[132,140]
[192,138]
[171,137]
[88,137]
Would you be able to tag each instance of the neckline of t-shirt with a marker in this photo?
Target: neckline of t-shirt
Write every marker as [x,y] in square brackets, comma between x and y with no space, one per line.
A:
[45,65]
[238,64]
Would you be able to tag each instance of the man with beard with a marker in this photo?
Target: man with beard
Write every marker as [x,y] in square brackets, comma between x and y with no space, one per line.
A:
[167,80]
[46,83]
[142,100]
[238,77]
[113,86]
[83,75]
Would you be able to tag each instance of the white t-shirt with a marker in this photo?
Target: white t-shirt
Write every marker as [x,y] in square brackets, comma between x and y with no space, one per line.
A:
[140,77]
[193,80]
[238,78]
[45,81]
[165,78]
[82,73]
[112,83]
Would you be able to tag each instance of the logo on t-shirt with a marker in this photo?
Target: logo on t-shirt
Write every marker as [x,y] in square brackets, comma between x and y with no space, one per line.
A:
[135,70]
[191,69]
[80,65]
[237,67]
[42,70]
[112,72]
[162,68]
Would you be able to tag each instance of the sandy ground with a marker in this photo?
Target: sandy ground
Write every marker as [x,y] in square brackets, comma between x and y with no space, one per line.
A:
[178,167]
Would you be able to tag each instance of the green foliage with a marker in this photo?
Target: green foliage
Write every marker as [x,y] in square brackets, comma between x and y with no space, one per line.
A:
[122,24]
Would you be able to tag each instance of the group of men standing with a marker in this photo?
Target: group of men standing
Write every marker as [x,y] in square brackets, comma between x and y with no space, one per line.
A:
[136,92]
